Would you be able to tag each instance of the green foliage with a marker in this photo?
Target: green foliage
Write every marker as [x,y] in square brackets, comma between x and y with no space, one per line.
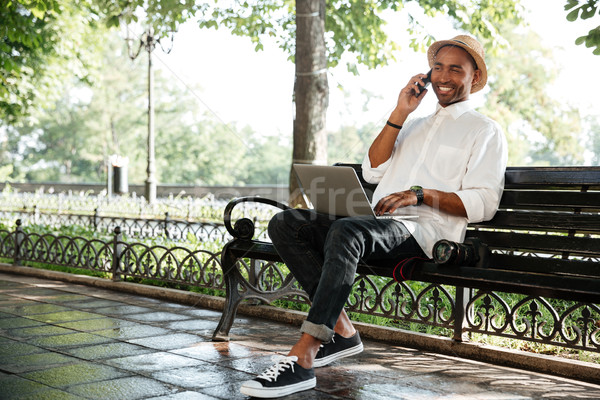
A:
[69,270]
[67,230]
[42,43]
[163,16]
[356,27]
[46,42]
[540,130]
[584,10]
[350,143]
[267,161]
[80,126]
[255,19]
[5,172]
[71,141]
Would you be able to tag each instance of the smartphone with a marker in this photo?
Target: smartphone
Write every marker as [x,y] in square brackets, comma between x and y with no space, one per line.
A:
[426,81]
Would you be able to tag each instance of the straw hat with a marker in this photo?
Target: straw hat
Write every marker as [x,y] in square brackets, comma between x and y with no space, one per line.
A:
[471,46]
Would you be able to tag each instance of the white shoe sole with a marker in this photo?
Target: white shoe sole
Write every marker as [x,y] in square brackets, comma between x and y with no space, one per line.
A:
[269,393]
[321,362]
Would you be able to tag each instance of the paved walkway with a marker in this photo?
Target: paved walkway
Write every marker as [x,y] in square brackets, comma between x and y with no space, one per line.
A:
[65,341]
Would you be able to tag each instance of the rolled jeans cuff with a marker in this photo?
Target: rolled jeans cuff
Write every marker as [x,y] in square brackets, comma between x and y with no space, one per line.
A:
[318,331]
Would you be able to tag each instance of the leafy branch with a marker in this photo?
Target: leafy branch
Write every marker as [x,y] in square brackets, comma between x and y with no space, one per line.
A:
[585,10]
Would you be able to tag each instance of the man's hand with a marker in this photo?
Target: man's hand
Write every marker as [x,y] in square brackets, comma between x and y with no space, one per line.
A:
[446,202]
[392,202]
[407,100]
[382,146]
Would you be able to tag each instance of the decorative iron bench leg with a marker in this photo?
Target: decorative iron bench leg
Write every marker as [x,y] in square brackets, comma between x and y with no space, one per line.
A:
[232,279]
[460,317]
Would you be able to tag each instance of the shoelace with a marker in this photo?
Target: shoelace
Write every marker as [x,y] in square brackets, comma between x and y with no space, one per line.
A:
[322,345]
[281,364]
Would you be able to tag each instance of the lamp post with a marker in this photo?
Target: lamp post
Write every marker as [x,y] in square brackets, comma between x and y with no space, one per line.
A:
[148,42]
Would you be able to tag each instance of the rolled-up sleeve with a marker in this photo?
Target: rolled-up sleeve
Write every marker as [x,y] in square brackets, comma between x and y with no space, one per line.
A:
[374,175]
[483,182]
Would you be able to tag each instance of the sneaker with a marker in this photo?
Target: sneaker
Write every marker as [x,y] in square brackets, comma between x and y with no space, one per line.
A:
[339,347]
[283,378]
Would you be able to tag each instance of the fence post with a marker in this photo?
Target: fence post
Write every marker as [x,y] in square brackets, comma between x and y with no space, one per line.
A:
[167,225]
[117,251]
[18,242]
[460,314]
[95,219]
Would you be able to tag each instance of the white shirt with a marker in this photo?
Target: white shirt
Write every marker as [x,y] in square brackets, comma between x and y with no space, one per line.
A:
[456,149]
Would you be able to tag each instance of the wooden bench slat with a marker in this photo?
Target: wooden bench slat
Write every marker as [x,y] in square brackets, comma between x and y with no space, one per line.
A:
[551,221]
[542,243]
[555,286]
[544,265]
[535,200]
[507,262]
[552,176]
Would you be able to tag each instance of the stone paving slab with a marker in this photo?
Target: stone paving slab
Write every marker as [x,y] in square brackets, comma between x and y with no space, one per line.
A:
[69,341]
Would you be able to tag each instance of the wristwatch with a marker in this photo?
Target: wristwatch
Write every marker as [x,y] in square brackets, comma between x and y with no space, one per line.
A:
[419,192]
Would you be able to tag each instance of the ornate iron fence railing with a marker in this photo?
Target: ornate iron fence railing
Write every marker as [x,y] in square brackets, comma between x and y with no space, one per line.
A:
[117,258]
[456,311]
[138,228]
[409,305]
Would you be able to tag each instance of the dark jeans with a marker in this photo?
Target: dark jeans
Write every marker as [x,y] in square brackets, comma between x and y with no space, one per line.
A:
[323,252]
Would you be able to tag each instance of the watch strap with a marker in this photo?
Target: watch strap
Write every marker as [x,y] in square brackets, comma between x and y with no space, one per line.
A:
[418,190]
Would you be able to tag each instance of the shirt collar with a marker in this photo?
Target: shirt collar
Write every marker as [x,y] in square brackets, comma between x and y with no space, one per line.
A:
[454,110]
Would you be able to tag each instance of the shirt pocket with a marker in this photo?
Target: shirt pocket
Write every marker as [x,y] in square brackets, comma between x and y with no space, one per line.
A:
[450,164]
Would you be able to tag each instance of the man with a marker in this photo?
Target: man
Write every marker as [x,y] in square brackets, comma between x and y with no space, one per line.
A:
[450,166]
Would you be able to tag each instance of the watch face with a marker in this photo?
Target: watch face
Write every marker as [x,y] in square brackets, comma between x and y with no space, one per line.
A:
[416,188]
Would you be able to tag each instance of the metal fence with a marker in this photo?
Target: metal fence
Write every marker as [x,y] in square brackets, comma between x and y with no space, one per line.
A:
[137,228]
[116,258]
[453,311]
[409,305]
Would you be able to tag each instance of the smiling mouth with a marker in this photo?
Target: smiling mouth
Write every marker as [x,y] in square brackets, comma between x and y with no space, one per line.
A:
[444,89]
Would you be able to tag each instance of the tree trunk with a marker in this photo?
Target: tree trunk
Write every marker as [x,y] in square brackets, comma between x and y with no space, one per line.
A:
[311,91]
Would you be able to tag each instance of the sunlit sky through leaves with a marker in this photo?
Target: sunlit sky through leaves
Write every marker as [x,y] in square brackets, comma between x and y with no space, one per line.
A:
[241,87]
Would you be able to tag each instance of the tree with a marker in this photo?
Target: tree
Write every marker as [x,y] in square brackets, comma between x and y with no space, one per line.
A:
[158,19]
[43,43]
[540,129]
[311,90]
[71,141]
[584,10]
[350,143]
[317,34]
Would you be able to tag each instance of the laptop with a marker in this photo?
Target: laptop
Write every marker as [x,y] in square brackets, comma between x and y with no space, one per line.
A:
[336,190]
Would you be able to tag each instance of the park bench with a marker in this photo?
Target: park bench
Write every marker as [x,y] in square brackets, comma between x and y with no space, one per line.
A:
[543,241]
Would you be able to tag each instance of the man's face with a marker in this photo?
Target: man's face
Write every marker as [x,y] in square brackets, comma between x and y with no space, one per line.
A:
[453,75]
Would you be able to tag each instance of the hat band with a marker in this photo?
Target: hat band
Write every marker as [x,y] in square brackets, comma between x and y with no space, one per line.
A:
[460,41]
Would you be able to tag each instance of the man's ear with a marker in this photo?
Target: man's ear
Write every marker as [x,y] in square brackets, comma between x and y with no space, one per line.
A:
[476,77]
